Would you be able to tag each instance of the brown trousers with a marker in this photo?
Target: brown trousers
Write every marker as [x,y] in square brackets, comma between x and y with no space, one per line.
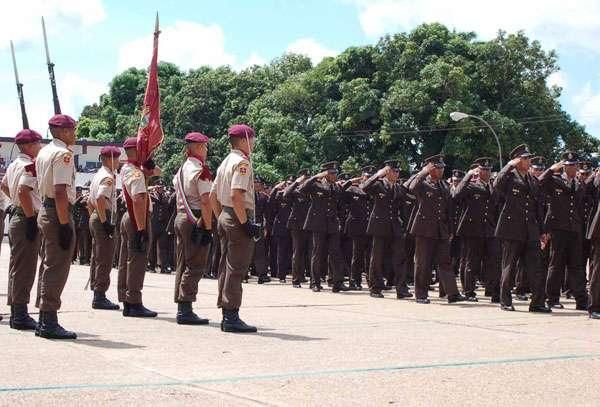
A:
[301,240]
[56,262]
[361,254]
[236,253]
[23,261]
[566,255]
[482,260]
[192,260]
[426,251]
[103,250]
[132,265]
[594,304]
[529,255]
[396,248]
[326,250]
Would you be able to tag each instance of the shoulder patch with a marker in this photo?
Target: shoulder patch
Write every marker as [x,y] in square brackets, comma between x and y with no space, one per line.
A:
[67,157]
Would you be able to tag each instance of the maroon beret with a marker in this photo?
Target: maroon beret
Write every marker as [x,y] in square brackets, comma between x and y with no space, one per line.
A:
[63,121]
[241,131]
[130,142]
[27,136]
[108,151]
[196,137]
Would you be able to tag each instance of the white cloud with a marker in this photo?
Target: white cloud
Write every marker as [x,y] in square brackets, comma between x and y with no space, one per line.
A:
[253,59]
[554,22]
[20,20]
[311,48]
[187,44]
[587,103]
[557,79]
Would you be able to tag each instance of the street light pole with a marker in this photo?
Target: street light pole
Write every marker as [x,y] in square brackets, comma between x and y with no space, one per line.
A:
[457,116]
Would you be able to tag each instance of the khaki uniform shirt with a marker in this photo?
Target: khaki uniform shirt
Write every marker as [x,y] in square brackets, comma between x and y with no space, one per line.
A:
[103,184]
[193,186]
[235,172]
[55,166]
[17,175]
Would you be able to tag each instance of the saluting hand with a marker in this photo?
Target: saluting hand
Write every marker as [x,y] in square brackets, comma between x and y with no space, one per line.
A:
[515,161]
[557,167]
[383,172]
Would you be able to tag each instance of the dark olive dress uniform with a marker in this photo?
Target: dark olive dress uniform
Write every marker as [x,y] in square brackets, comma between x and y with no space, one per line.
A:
[564,222]
[432,227]
[518,229]
[387,231]
[282,234]
[323,222]
[476,229]
[593,234]
[81,217]
[271,241]
[359,204]
[301,239]
[159,220]
[259,259]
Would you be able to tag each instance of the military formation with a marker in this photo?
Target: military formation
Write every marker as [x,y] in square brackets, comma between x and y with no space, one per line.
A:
[527,231]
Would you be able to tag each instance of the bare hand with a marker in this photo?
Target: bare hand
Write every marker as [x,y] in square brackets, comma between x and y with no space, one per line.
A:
[557,167]
[301,178]
[474,171]
[515,161]
[428,167]
[382,172]
[322,174]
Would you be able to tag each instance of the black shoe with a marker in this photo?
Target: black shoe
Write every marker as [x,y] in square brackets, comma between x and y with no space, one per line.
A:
[540,308]
[20,319]
[303,280]
[150,270]
[582,307]
[568,296]
[316,288]
[264,279]
[507,307]
[296,285]
[595,315]
[455,298]
[495,299]
[165,270]
[403,294]
[556,305]
[353,286]
[282,281]
[423,301]
[245,280]
[232,323]
[376,294]
[186,316]
[337,287]
[471,298]
[101,302]
[388,287]
[125,309]
[138,311]
[50,328]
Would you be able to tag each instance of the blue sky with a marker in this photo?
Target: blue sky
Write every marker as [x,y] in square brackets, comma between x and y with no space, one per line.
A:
[92,40]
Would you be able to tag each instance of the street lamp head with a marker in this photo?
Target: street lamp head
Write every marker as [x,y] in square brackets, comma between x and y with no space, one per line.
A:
[457,116]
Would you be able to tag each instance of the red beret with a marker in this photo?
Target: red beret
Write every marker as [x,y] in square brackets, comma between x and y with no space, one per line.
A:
[63,121]
[27,136]
[241,130]
[108,151]
[196,137]
[130,142]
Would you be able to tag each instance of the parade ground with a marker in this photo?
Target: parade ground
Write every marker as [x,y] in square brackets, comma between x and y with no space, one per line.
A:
[311,349]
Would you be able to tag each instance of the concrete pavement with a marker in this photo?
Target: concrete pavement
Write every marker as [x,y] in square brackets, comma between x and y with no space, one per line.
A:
[312,349]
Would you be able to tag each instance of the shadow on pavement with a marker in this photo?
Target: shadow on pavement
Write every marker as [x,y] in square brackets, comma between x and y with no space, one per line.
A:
[287,337]
[105,344]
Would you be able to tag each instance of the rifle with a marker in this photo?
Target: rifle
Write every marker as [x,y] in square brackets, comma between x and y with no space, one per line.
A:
[19,88]
[51,72]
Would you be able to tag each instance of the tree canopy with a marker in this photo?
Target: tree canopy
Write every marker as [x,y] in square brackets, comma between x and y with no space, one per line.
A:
[391,100]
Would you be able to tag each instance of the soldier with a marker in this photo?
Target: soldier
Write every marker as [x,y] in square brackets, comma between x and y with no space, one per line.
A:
[583,174]
[81,217]
[359,209]
[456,246]
[386,229]
[564,223]
[159,220]
[259,258]
[55,169]
[593,234]
[134,232]
[280,231]
[432,228]
[20,184]
[300,238]
[476,228]
[322,220]
[193,226]
[232,201]
[103,201]
[518,227]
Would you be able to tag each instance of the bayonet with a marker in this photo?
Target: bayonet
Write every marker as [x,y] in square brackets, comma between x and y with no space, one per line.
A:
[51,71]
[19,88]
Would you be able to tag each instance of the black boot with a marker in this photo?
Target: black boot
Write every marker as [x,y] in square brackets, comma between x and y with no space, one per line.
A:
[51,329]
[403,293]
[101,302]
[264,279]
[138,311]
[337,287]
[186,316]
[540,309]
[232,322]
[20,319]
[455,298]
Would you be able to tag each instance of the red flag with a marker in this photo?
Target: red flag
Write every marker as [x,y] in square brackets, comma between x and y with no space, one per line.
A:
[150,134]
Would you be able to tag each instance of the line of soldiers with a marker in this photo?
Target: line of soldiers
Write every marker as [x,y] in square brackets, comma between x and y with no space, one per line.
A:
[526,228]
